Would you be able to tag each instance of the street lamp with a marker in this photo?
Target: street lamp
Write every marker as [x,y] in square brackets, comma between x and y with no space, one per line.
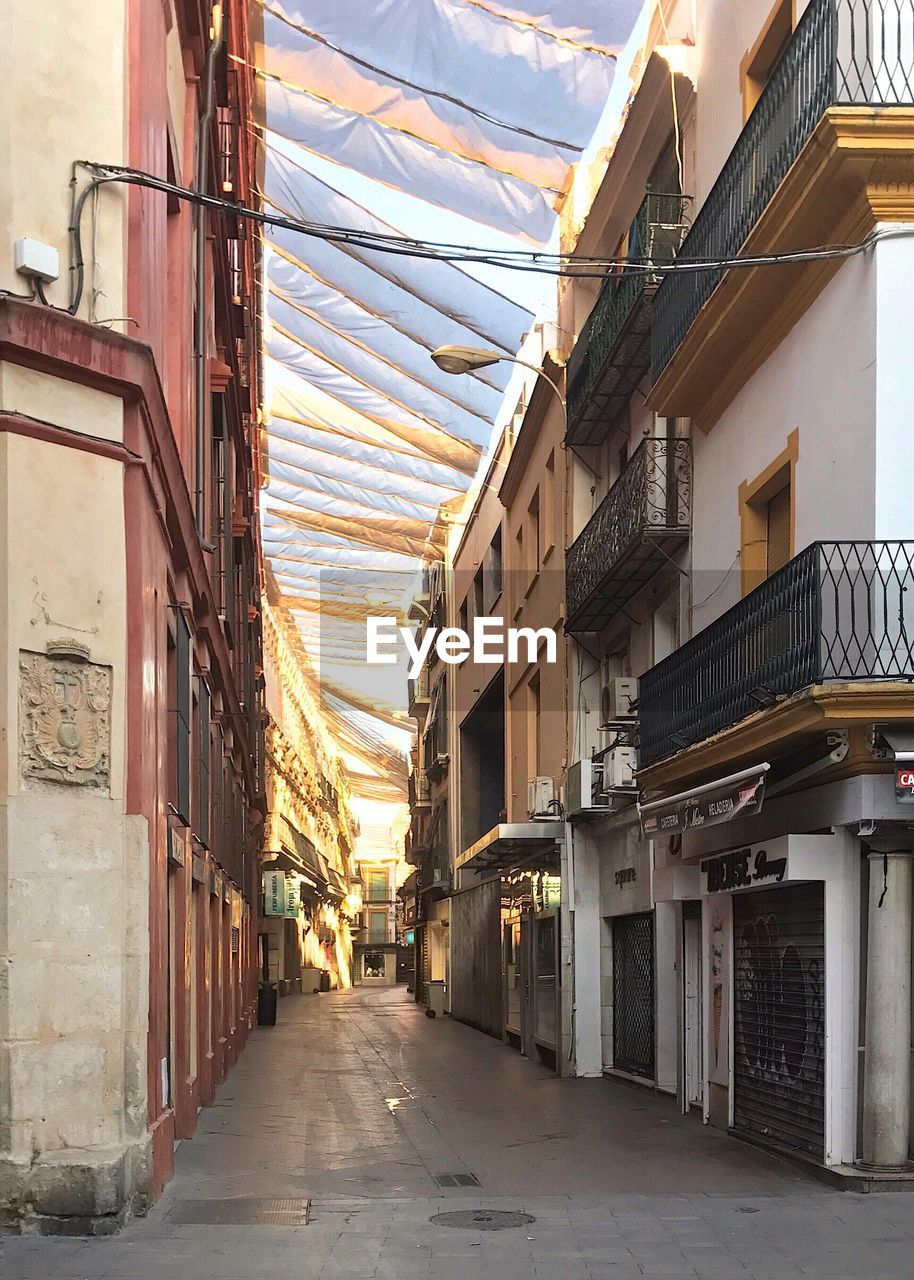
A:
[457,359]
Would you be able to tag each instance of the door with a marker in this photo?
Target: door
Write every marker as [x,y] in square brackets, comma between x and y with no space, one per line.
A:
[545,990]
[633,994]
[511,944]
[422,962]
[693,1090]
[779,1015]
[525,985]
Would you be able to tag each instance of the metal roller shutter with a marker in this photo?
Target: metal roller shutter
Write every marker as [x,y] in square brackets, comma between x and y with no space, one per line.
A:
[423,967]
[633,994]
[779,1003]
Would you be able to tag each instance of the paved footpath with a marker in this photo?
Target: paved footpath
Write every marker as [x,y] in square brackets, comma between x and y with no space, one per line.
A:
[359,1104]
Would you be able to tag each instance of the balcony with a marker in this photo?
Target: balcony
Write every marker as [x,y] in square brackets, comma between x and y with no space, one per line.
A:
[418,696]
[417,790]
[843,53]
[435,876]
[612,354]
[642,521]
[839,612]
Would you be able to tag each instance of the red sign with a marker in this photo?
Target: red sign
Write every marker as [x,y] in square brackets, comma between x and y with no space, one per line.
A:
[904,783]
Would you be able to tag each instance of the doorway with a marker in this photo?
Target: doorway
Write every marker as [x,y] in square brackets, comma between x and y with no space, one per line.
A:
[693,1075]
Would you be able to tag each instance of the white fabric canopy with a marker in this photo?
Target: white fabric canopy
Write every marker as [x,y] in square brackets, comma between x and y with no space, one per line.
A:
[452,120]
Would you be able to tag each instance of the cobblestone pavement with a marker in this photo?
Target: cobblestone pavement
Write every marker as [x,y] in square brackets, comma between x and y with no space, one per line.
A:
[358,1103]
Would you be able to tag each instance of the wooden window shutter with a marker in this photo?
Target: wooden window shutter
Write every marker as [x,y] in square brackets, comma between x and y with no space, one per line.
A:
[778,530]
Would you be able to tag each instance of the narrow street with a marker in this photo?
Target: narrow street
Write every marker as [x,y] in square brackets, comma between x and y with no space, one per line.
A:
[359,1104]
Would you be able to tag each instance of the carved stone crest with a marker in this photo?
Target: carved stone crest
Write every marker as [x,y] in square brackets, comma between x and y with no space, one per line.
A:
[64,726]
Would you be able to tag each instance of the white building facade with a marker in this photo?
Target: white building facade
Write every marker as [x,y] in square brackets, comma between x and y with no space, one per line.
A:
[741,544]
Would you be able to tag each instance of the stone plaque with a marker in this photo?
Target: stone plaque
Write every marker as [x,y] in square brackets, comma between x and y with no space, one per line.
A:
[64,723]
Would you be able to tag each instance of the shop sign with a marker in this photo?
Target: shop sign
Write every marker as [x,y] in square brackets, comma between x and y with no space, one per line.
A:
[708,807]
[293,897]
[743,869]
[274,893]
[904,782]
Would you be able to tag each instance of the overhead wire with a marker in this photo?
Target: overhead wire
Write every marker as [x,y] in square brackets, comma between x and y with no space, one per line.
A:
[534,261]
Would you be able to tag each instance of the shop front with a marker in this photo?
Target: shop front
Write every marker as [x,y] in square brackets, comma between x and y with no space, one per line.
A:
[773,993]
[506,937]
[630,997]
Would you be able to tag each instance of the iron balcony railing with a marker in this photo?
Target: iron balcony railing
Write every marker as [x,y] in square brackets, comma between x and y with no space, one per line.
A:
[839,611]
[645,516]
[418,694]
[417,790]
[842,53]
[655,236]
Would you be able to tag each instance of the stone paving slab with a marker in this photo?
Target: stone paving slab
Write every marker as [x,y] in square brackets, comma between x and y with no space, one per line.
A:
[357,1102]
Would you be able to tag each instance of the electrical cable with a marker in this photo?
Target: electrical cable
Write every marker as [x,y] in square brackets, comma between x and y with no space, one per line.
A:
[535,261]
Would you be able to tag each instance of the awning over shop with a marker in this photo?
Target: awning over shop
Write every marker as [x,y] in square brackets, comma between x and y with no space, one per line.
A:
[513,845]
[736,796]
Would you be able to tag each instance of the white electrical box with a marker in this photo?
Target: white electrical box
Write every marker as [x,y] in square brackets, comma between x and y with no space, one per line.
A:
[619,767]
[540,797]
[619,699]
[36,260]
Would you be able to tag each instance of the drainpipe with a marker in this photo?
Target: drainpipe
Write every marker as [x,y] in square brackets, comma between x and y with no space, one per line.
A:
[203,130]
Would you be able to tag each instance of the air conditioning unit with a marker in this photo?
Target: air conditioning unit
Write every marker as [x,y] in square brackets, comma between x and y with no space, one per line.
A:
[619,700]
[541,797]
[619,767]
[584,788]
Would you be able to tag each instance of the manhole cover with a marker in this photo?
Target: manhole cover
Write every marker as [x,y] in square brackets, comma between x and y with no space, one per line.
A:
[240,1212]
[482,1219]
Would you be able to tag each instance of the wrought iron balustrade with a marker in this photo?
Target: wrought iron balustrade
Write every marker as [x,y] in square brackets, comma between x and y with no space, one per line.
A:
[645,516]
[839,611]
[842,53]
[417,694]
[612,353]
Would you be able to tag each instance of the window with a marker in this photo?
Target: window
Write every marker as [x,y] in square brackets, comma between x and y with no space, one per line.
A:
[763,57]
[377,927]
[777,521]
[533,727]
[463,617]
[492,579]
[179,697]
[377,886]
[519,570]
[479,607]
[767,517]
[549,506]
[373,964]
[203,753]
[665,627]
[533,528]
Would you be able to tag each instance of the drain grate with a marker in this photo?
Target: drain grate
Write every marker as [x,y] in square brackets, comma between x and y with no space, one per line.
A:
[240,1212]
[482,1219]
[457,1180]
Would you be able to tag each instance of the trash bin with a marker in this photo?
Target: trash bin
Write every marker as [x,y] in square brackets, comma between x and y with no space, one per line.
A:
[325,979]
[434,998]
[266,1006]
